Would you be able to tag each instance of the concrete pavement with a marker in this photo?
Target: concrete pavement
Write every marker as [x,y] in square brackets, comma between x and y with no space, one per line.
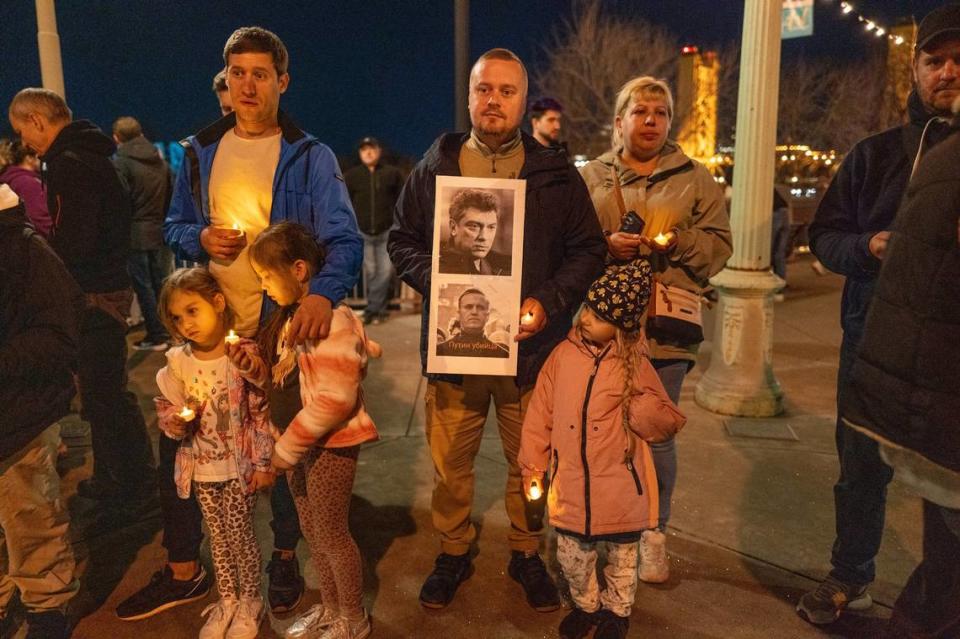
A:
[751,530]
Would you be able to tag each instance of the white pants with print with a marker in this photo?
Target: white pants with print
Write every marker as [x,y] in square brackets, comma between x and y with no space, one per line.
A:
[579,562]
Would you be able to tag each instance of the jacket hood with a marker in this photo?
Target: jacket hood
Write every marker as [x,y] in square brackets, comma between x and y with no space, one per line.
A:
[672,160]
[443,156]
[140,149]
[574,336]
[81,135]
[12,172]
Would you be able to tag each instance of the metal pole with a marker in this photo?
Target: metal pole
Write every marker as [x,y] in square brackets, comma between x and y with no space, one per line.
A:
[48,41]
[740,378]
[461,57]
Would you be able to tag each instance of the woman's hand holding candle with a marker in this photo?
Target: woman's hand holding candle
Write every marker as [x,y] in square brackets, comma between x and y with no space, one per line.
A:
[532,319]
[662,242]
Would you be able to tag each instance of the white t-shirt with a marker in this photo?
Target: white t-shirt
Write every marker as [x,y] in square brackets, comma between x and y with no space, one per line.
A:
[213,444]
[241,192]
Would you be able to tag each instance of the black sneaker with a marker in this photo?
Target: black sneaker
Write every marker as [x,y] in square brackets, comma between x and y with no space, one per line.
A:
[285,588]
[576,625]
[611,626]
[49,624]
[530,573]
[449,571]
[162,593]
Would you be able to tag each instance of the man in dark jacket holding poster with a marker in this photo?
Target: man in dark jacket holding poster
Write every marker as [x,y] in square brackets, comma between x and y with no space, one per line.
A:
[849,235]
[562,254]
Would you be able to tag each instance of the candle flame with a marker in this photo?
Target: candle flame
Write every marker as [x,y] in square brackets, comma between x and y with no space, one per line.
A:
[535,492]
[661,239]
[232,337]
[186,414]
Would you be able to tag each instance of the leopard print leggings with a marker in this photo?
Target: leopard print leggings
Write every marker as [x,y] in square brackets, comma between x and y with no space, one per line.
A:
[321,487]
[228,511]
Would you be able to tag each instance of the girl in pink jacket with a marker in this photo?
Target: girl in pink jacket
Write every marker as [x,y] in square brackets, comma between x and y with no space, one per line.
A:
[597,404]
[316,398]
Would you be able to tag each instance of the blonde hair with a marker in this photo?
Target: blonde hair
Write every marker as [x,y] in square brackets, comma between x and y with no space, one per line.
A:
[642,87]
[193,280]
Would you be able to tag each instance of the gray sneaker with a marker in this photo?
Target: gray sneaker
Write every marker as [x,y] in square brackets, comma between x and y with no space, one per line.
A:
[825,604]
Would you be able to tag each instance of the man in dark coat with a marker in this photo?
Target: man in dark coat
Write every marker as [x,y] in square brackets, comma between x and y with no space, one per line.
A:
[563,252]
[374,188]
[905,383]
[40,306]
[149,182]
[849,235]
[90,210]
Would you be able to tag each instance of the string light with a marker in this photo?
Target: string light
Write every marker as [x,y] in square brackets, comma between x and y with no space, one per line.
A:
[871,26]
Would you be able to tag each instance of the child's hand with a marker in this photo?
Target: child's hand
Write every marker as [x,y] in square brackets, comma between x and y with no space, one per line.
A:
[260,481]
[249,366]
[533,486]
[177,427]
[280,464]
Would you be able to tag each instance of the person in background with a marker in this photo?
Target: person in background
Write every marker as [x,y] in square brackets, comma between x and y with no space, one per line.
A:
[222,91]
[780,239]
[374,188]
[148,181]
[546,116]
[20,169]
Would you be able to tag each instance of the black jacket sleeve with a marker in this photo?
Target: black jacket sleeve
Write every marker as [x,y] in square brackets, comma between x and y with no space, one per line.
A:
[410,241]
[835,234]
[584,251]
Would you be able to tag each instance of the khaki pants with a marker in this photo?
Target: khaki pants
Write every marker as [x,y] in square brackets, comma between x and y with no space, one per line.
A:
[455,416]
[35,555]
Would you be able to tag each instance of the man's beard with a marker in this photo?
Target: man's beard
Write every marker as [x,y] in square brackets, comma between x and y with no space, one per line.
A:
[501,135]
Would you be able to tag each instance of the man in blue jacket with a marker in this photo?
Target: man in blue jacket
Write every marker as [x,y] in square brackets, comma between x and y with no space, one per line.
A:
[252,168]
[563,251]
[849,236]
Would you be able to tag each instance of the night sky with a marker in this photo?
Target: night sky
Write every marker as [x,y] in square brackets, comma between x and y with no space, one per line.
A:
[357,68]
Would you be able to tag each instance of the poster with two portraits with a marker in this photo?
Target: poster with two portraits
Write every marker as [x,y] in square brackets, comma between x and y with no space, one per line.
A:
[476,274]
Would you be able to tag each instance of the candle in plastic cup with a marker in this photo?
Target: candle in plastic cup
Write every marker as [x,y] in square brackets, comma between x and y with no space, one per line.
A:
[535,491]
[232,337]
[186,414]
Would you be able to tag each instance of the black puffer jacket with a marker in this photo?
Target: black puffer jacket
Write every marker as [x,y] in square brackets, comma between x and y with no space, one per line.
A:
[90,208]
[862,200]
[563,247]
[150,184]
[39,313]
[906,379]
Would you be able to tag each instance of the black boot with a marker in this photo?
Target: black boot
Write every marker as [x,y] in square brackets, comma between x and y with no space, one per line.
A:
[285,589]
[449,572]
[576,625]
[611,626]
[50,624]
[530,573]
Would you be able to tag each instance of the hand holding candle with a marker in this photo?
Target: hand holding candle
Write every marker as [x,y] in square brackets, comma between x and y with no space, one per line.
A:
[532,319]
[533,487]
[186,414]
[232,337]
[223,242]
[662,242]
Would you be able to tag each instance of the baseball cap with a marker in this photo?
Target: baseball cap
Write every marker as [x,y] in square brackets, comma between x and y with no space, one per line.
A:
[941,21]
[368,141]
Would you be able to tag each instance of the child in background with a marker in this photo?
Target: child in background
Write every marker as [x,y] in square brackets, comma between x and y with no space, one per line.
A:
[597,404]
[316,399]
[226,444]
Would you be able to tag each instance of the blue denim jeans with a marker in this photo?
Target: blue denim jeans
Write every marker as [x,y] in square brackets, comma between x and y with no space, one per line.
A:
[860,495]
[377,273]
[148,269]
[671,372]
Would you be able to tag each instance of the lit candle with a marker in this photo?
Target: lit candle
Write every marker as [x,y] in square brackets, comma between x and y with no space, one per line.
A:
[186,414]
[232,337]
[527,318]
[535,491]
[661,239]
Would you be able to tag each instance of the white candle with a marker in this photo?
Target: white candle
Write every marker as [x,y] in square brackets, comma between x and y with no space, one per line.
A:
[232,337]
[535,491]
[662,239]
[186,414]
[527,319]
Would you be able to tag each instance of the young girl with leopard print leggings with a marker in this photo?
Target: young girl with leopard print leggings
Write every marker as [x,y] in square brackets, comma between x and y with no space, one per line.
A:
[211,403]
[315,396]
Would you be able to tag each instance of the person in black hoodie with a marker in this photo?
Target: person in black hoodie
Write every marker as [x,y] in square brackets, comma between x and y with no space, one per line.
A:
[563,252]
[90,210]
[150,184]
[39,313]
[849,235]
